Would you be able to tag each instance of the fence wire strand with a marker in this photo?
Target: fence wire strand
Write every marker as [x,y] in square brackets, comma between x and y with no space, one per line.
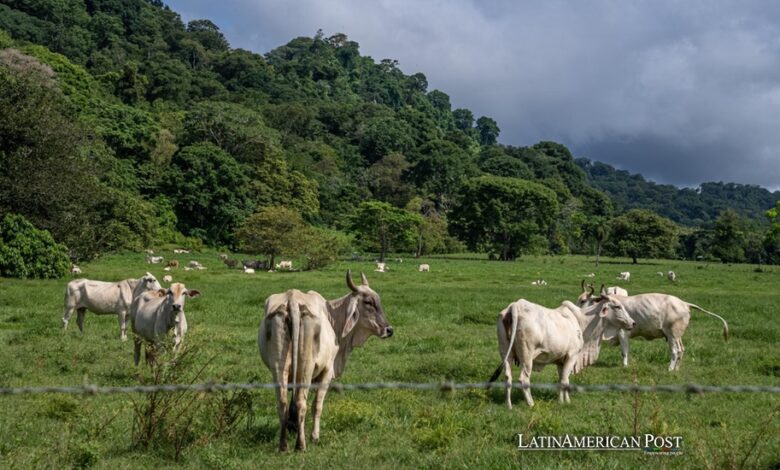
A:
[210,387]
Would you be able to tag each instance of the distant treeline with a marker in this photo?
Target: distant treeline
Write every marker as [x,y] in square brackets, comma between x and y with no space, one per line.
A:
[121,127]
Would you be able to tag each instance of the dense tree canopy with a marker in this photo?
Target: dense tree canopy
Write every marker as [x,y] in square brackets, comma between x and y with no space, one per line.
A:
[641,233]
[122,127]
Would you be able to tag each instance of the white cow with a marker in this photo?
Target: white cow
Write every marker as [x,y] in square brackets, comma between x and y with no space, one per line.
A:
[382,268]
[424,268]
[180,251]
[195,265]
[75,269]
[249,271]
[168,278]
[568,336]
[656,316]
[284,265]
[306,339]
[624,276]
[615,290]
[154,314]
[104,298]
[539,282]
[672,276]
[154,259]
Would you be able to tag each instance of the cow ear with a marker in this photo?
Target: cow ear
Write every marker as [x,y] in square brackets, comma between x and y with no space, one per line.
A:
[162,292]
[352,315]
[604,311]
[193,292]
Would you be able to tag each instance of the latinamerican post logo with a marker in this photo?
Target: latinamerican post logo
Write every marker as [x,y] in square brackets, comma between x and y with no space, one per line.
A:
[647,443]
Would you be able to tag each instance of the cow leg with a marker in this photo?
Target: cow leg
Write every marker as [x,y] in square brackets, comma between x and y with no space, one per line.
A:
[508,375]
[565,372]
[136,349]
[123,326]
[525,378]
[673,351]
[281,406]
[623,338]
[80,314]
[680,353]
[319,400]
[301,395]
[66,315]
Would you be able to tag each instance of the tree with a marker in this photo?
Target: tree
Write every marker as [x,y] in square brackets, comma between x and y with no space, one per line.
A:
[488,130]
[464,119]
[640,232]
[597,230]
[27,252]
[272,231]
[440,168]
[729,239]
[772,238]
[384,179]
[210,192]
[503,216]
[382,227]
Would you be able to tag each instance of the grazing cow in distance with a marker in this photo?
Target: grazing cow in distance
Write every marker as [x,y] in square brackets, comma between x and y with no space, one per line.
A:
[104,298]
[533,336]
[399,260]
[249,271]
[75,269]
[172,264]
[539,282]
[424,268]
[154,314]
[382,268]
[305,339]
[672,276]
[180,251]
[656,316]
[154,259]
[624,276]
[168,278]
[196,265]
[223,256]
[254,264]
[284,265]
[230,263]
[590,275]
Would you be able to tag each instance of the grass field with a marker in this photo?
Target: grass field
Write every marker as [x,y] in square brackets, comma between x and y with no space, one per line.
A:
[444,325]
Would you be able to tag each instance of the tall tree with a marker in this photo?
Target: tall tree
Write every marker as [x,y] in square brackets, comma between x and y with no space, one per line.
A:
[488,131]
[640,232]
[382,227]
[503,216]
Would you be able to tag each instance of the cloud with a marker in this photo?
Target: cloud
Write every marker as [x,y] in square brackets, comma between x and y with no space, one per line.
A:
[683,91]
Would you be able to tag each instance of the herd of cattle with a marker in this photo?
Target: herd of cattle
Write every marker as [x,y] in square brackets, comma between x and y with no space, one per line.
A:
[305,339]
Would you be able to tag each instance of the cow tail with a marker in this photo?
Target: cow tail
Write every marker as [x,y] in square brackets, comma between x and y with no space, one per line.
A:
[295,332]
[500,368]
[725,325]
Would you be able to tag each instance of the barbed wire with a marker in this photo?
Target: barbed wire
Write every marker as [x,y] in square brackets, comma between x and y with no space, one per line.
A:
[210,387]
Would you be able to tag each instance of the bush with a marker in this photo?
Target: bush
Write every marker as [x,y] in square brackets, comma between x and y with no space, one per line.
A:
[27,252]
[322,247]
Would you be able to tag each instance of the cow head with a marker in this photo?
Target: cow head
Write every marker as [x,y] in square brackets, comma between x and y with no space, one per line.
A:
[615,315]
[364,312]
[149,282]
[176,295]
[587,294]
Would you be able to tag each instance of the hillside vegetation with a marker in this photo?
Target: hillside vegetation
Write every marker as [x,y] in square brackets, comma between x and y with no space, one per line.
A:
[124,128]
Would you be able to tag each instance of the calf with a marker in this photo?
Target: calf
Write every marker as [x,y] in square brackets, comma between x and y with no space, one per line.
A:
[306,339]
[104,298]
[154,259]
[624,276]
[424,268]
[154,314]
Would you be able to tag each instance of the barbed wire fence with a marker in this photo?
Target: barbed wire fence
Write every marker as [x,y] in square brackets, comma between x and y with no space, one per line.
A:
[211,387]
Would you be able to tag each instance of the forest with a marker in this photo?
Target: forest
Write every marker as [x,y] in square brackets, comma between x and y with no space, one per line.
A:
[123,128]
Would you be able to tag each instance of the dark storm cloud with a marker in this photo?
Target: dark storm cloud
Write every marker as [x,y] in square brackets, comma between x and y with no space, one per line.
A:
[682,91]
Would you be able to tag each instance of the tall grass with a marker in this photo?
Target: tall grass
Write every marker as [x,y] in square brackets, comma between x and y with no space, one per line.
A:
[444,330]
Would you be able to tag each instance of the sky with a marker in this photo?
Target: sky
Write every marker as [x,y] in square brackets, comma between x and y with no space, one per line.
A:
[681,91]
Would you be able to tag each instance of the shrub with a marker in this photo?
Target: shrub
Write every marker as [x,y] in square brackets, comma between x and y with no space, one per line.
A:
[27,252]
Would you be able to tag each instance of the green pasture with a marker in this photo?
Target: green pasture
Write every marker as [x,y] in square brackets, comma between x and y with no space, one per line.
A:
[444,324]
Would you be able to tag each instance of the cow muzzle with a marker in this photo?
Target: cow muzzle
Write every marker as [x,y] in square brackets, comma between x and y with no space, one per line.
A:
[176,307]
[388,332]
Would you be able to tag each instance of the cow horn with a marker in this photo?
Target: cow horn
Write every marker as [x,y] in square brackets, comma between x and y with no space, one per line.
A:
[582,284]
[602,292]
[363,279]
[350,284]
[592,290]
